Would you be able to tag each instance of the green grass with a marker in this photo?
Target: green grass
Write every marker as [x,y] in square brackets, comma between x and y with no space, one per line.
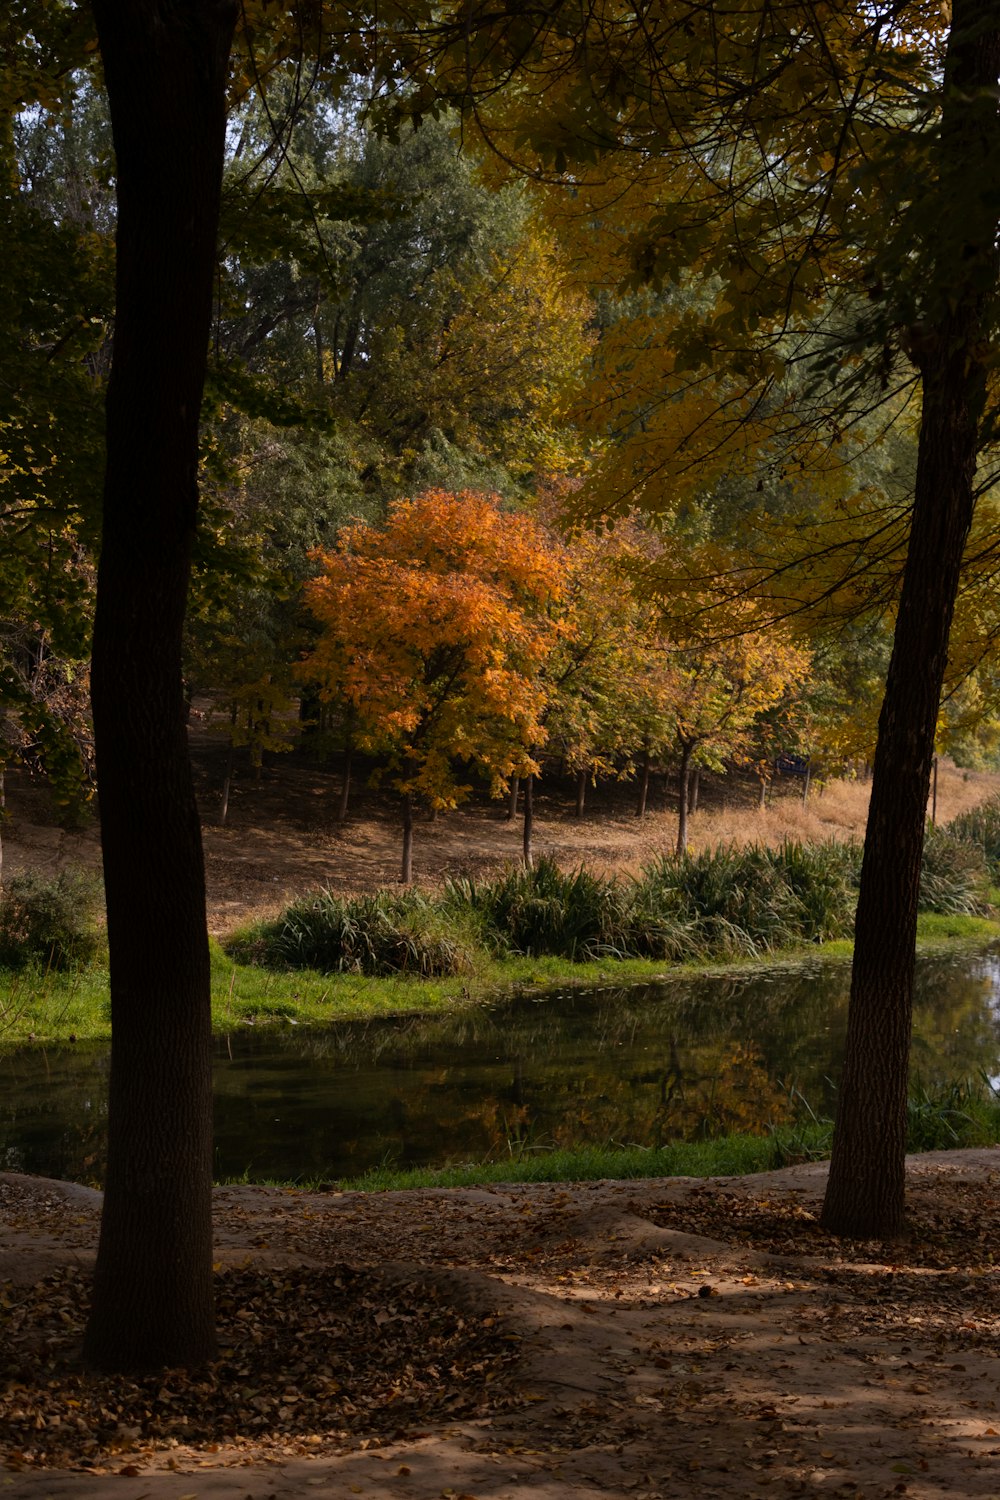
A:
[36,1006]
[949,1116]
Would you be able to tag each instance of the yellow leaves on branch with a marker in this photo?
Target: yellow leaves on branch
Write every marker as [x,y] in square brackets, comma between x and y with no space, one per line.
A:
[435,626]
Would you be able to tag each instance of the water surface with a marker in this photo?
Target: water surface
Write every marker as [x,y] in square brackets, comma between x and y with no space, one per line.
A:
[637,1065]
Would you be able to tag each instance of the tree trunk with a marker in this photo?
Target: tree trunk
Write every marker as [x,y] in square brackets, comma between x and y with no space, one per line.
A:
[227,782]
[166,66]
[406,873]
[762,799]
[640,810]
[581,792]
[806,783]
[528,830]
[682,792]
[515,786]
[934,794]
[345,785]
[694,787]
[865,1193]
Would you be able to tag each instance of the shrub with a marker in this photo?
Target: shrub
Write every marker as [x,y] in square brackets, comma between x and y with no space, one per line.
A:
[385,933]
[50,922]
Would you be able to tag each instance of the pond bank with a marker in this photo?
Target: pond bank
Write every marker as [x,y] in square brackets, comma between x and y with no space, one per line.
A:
[70,1007]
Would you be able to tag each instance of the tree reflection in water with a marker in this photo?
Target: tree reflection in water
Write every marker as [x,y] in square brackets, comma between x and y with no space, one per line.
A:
[684,1059]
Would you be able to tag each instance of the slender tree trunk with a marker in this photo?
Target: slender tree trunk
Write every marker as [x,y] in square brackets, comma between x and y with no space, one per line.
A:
[694,787]
[866,1189]
[640,810]
[806,784]
[934,794]
[166,66]
[762,799]
[682,793]
[515,787]
[406,873]
[227,782]
[345,785]
[581,792]
[527,833]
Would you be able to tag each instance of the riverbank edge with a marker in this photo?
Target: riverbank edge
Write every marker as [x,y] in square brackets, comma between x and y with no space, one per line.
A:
[53,1009]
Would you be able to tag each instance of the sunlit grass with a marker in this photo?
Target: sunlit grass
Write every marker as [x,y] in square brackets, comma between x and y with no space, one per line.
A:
[74,1006]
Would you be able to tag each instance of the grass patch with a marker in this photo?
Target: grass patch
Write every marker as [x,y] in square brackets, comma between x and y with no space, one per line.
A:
[58,1007]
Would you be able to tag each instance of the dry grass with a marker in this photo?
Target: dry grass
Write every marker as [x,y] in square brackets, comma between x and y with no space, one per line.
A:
[837,810]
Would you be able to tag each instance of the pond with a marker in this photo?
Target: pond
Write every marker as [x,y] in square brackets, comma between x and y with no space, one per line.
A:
[636,1065]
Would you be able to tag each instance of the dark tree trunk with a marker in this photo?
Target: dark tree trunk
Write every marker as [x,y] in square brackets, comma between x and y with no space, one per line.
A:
[865,1193]
[406,872]
[694,787]
[640,810]
[515,787]
[345,785]
[528,831]
[581,793]
[806,784]
[682,794]
[166,64]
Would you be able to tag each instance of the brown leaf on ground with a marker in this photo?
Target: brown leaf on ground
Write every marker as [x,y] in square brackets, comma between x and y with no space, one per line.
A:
[553,1340]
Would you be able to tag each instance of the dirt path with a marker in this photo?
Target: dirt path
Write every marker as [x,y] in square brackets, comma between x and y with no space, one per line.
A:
[652,1339]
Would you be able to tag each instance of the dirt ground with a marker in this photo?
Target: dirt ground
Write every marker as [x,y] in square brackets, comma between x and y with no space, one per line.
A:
[282,838]
[650,1339]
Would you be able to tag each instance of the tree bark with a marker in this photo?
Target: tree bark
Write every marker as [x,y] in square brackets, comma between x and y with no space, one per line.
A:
[581,793]
[682,795]
[166,65]
[694,788]
[345,785]
[406,872]
[515,787]
[866,1190]
[640,810]
[528,830]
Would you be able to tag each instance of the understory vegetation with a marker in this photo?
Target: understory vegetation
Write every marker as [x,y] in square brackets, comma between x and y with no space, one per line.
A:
[714,905]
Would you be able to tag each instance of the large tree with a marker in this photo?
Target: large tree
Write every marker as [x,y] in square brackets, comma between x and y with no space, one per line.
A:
[166,65]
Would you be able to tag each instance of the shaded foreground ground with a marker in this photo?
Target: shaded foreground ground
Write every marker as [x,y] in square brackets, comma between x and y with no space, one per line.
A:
[673,1338]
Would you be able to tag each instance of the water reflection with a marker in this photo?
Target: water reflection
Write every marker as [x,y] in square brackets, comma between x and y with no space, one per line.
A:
[637,1065]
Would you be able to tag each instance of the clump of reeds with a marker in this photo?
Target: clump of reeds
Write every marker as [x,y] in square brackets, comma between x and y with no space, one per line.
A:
[713,904]
[981,828]
[388,932]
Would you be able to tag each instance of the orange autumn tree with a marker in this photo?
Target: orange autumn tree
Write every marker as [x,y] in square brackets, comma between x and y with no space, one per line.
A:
[436,625]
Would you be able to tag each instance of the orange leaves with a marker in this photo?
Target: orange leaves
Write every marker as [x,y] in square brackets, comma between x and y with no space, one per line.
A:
[435,629]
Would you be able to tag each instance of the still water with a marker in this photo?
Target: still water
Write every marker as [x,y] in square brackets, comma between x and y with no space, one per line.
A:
[637,1065]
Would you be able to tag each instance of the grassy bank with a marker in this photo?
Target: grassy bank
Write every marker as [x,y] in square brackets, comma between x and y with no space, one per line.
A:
[73,1005]
[953,1116]
[406,952]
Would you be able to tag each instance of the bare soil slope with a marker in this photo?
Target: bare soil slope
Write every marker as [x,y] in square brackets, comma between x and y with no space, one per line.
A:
[282,837]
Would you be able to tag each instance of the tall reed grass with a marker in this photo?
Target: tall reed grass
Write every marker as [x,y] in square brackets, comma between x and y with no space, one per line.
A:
[713,904]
